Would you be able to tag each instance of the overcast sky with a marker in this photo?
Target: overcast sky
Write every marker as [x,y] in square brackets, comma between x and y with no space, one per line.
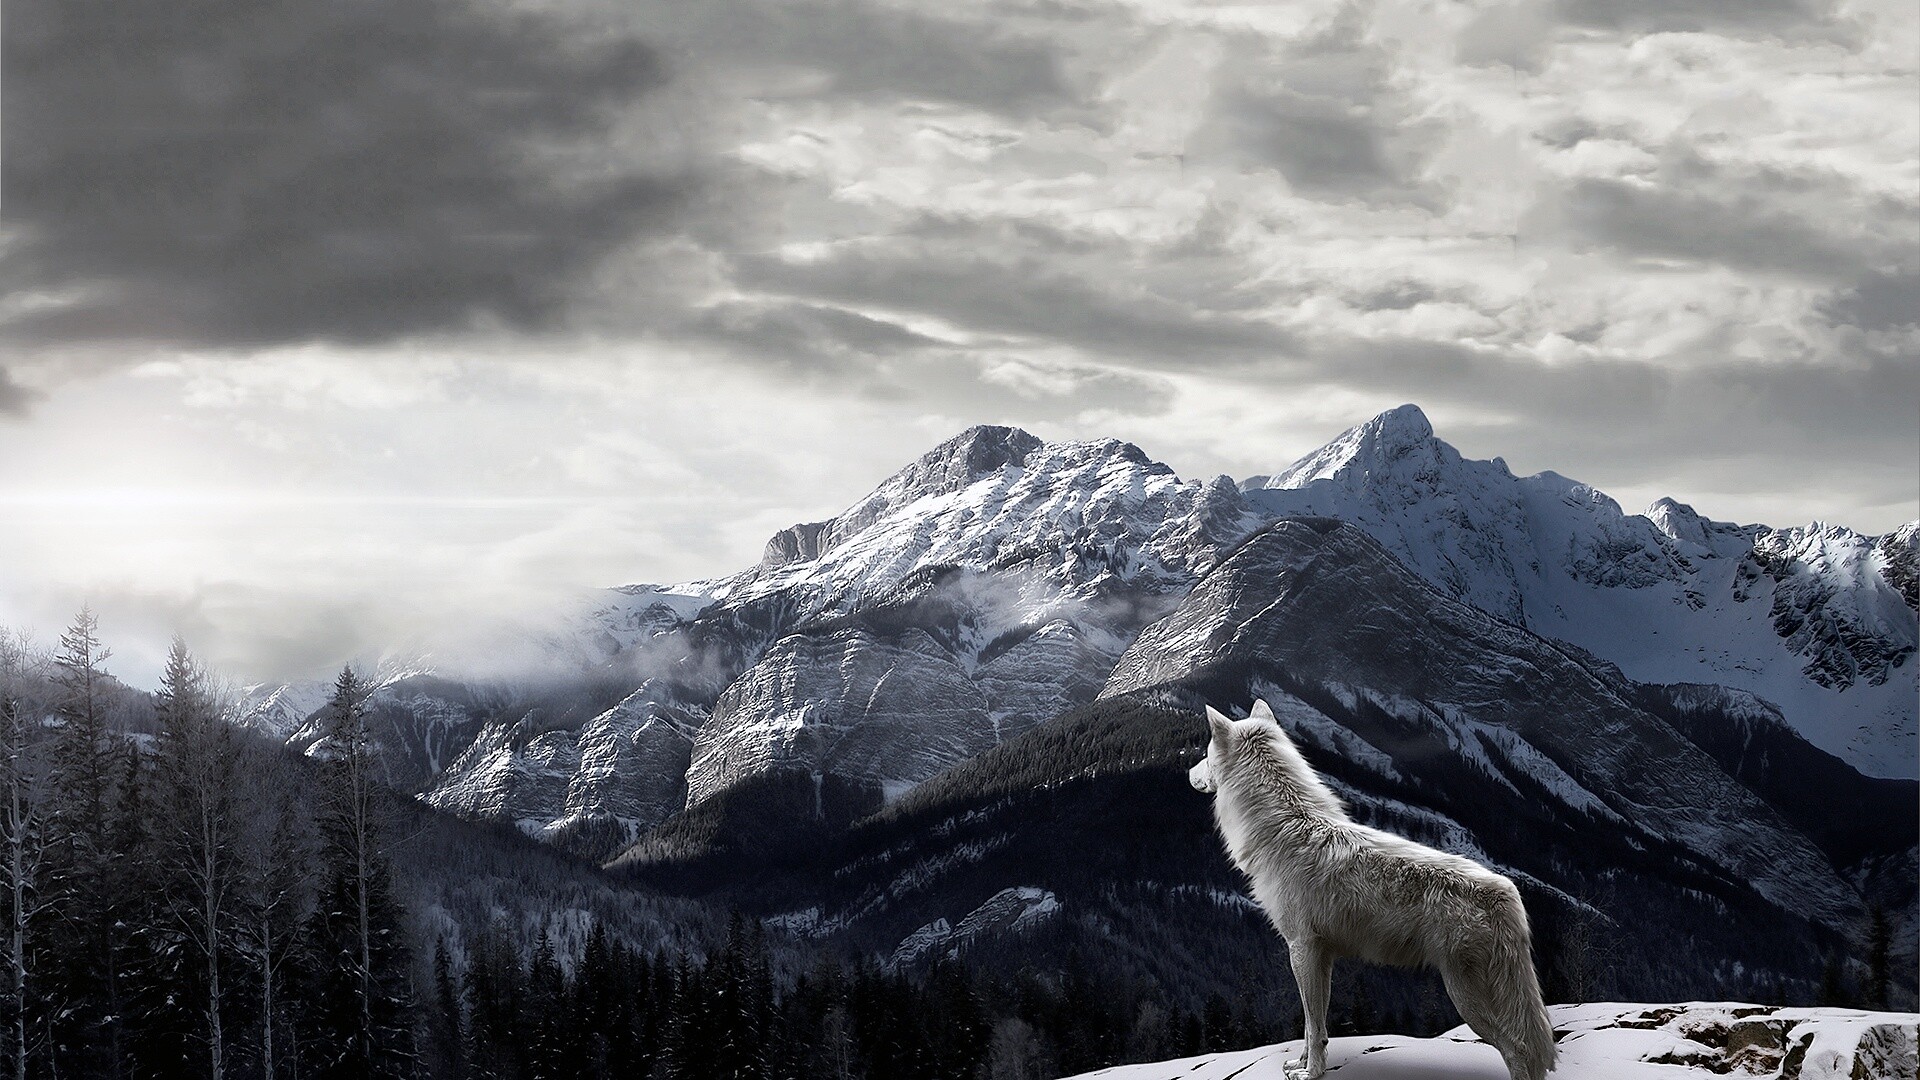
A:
[323,325]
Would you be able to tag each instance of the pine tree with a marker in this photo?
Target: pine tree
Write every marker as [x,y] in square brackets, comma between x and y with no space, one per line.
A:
[277,883]
[1879,938]
[153,981]
[650,1026]
[1216,1020]
[957,1030]
[487,1004]
[1833,982]
[89,1025]
[363,1015]
[739,1004]
[546,1014]
[447,1024]
[687,1047]
[595,989]
[197,838]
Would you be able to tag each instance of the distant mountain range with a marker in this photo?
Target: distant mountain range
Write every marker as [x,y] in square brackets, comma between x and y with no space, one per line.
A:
[996,581]
[1511,667]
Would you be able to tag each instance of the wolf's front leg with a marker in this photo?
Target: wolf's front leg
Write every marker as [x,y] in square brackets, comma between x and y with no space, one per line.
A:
[1313,973]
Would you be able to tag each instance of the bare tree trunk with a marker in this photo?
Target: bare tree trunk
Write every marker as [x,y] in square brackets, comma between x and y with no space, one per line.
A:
[211,872]
[275,861]
[17,875]
[361,843]
[266,1006]
[22,867]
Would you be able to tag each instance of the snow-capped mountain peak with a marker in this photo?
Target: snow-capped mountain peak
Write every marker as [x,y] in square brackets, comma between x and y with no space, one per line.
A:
[1068,513]
[1364,451]
[1695,534]
[961,461]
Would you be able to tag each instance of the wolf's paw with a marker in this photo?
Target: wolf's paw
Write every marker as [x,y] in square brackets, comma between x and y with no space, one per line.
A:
[1297,1069]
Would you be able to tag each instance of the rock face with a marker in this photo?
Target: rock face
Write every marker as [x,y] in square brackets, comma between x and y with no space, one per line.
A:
[607,778]
[1009,913]
[847,703]
[633,761]
[1837,599]
[994,582]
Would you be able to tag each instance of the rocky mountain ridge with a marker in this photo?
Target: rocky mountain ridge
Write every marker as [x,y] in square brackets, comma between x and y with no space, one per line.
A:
[996,582]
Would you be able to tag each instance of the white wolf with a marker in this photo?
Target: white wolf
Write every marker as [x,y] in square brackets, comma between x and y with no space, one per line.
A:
[1334,888]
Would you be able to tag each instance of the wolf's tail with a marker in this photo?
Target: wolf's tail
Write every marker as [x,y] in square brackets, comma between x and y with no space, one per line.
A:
[1516,990]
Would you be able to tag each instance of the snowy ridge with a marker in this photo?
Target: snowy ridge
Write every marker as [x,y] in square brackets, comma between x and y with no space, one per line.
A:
[1009,912]
[1819,620]
[277,710]
[1607,1041]
[1065,515]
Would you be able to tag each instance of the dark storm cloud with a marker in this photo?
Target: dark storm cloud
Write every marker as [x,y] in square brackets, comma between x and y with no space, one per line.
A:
[1807,222]
[1877,302]
[801,337]
[1396,296]
[1732,18]
[1025,298]
[1515,35]
[14,398]
[235,174]
[874,51]
[1323,113]
[1679,224]
[1318,143]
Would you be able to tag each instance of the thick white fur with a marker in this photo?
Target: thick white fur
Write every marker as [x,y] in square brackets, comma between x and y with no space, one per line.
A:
[1335,888]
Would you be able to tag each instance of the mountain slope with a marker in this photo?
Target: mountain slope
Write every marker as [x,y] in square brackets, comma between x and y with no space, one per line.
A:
[1314,610]
[1696,869]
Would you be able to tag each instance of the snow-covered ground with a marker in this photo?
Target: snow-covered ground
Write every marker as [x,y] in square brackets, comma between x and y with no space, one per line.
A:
[1607,1041]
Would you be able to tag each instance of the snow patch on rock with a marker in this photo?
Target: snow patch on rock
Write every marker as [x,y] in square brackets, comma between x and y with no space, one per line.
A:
[1606,1041]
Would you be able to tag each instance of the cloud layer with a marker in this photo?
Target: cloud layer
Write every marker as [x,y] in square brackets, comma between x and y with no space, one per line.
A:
[249,174]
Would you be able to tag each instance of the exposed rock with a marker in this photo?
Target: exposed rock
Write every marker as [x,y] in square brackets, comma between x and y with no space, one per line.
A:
[846,703]
[1006,914]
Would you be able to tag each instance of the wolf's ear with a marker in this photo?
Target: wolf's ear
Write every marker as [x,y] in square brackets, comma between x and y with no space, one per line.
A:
[1218,726]
[1262,711]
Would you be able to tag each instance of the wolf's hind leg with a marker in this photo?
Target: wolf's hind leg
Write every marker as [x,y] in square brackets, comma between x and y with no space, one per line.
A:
[1313,972]
[1471,987]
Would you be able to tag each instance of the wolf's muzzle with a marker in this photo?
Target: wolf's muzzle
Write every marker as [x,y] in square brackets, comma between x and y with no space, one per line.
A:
[1201,776]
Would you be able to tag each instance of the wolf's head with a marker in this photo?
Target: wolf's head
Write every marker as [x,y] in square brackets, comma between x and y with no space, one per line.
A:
[1222,730]
[1258,762]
